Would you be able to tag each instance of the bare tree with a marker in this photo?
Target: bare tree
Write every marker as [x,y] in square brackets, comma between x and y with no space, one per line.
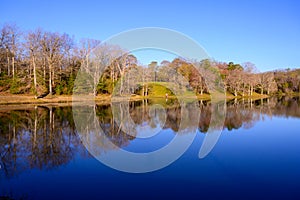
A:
[33,40]
[85,49]
[132,75]
[162,74]
[267,82]
[106,56]
[15,34]
[9,37]
[6,44]
[235,80]
[249,77]
[52,46]
[120,62]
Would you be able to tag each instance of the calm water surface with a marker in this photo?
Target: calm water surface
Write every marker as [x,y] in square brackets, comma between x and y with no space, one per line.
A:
[257,155]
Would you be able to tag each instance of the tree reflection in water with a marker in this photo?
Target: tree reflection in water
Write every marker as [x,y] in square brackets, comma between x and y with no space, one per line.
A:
[44,137]
[37,137]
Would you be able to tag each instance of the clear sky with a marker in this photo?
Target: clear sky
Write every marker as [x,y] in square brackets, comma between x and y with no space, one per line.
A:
[266,33]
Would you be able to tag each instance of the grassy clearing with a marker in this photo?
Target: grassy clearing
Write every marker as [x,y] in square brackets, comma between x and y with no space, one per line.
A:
[160,89]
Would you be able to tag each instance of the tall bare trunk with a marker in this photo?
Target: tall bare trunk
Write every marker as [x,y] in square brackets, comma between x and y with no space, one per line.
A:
[121,82]
[112,77]
[44,66]
[50,79]
[13,66]
[29,70]
[53,75]
[8,63]
[146,90]
[34,75]
[95,85]
[13,55]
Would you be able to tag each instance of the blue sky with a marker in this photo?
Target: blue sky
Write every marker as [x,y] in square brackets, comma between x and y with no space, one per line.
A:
[266,33]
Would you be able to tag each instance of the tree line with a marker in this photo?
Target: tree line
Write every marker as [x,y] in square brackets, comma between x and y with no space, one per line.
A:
[44,63]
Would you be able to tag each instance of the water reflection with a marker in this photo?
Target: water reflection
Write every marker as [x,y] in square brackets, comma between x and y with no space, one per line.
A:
[44,137]
[38,137]
[245,113]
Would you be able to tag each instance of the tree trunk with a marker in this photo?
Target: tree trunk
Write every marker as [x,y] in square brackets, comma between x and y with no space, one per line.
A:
[201,103]
[29,70]
[262,91]
[8,63]
[53,76]
[95,86]
[146,90]
[44,65]
[112,77]
[121,82]
[13,54]
[50,79]
[60,72]
[34,76]
[13,66]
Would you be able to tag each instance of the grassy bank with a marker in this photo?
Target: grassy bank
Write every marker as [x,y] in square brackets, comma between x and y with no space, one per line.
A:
[8,99]
[155,90]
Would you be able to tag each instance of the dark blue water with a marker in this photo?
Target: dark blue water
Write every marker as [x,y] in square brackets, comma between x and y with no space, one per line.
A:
[257,156]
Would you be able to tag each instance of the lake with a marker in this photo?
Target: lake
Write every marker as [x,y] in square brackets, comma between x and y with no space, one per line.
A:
[47,154]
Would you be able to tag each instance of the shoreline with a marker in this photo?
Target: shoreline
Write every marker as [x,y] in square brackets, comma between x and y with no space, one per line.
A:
[13,102]
[30,99]
[9,99]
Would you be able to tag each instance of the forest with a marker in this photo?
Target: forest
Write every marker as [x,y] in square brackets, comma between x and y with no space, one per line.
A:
[43,63]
